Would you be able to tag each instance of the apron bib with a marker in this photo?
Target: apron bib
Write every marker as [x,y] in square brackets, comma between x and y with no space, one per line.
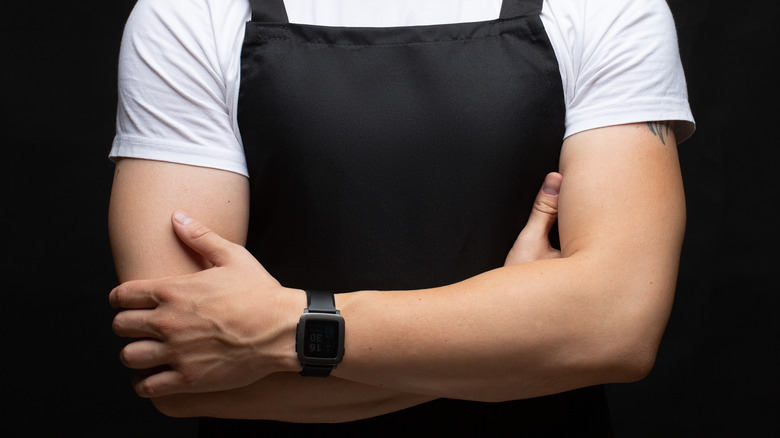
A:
[401,158]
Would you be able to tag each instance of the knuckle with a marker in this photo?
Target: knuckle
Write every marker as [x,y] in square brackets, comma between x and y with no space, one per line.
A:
[546,206]
[199,231]
[145,388]
[187,375]
[165,327]
[170,293]
[166,292]
[119,297]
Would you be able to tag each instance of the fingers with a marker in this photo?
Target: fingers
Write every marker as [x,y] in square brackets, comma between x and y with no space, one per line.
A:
[135,324]
[133,295]
[200,238]
[158,384]
[143,355]
[149,356]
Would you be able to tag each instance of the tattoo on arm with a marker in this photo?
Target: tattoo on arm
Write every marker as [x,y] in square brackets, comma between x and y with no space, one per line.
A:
[660,130]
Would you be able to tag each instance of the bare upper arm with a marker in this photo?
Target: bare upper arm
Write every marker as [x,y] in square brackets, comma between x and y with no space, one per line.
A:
[621,184]
[622,210]
[145,194]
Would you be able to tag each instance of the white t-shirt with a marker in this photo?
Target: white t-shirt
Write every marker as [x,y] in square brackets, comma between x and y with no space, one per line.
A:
[180,61]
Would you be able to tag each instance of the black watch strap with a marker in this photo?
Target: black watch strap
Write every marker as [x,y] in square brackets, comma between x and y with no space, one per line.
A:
[320,301]
[316,370]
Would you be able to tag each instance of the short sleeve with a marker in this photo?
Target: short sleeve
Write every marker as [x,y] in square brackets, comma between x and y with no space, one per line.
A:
[173,102]
[620,62]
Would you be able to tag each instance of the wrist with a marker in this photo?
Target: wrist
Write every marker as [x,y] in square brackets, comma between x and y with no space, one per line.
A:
[293,304]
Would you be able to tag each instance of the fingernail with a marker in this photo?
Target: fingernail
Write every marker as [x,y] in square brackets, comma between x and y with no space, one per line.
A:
[182,218]
[552,184]
[550,189]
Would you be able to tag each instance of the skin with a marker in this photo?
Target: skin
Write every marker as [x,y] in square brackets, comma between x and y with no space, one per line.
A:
[220,341]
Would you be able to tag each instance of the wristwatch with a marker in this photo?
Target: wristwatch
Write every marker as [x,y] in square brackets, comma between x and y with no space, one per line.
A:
[320,335]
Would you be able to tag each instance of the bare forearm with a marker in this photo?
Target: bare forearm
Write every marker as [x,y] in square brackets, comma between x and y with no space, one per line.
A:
[292,398]
[516,332]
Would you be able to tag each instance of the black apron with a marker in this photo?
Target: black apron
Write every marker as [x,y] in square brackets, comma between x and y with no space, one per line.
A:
[401,158]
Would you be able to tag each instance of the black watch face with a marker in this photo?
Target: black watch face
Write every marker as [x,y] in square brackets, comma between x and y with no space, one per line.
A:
[321,338]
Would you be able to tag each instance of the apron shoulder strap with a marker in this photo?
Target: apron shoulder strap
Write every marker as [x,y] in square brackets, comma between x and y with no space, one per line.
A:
[519,8]
[269,11]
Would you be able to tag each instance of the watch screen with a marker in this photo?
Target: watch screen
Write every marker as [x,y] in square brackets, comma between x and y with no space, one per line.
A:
[320,339]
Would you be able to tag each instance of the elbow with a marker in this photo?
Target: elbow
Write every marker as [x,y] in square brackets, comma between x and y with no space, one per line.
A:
[631,353]
[610,361]
[634,366]
[624,346]
[630,330]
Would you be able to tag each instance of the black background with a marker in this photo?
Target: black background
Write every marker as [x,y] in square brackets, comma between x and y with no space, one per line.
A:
[717,369]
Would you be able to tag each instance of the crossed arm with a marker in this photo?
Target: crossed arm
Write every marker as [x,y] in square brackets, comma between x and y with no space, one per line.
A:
[593,314]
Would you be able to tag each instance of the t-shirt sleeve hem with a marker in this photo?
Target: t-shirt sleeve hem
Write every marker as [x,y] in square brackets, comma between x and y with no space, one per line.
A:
[124,147]
[661,110]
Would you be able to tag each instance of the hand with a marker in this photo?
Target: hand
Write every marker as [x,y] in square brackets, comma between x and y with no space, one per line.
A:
[533,243]
[221,328]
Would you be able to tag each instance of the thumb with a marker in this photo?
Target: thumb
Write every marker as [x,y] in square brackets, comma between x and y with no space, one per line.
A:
[545,210]
[533,243]
[201,239]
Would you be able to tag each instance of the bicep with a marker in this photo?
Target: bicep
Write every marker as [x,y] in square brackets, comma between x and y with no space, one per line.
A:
[145,194]
[622,208]
[621,184]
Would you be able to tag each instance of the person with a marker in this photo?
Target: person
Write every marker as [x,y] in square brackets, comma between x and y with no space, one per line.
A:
[384,159]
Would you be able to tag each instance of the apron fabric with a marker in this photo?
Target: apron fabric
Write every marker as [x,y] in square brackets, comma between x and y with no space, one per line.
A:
[401,158]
